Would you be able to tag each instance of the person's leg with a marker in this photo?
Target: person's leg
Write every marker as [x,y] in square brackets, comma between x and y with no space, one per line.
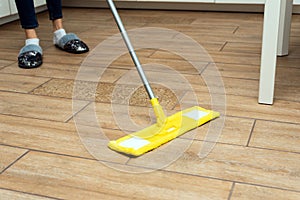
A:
[55,13]
[67,42]
[27,14]
[30,56]
[30,33]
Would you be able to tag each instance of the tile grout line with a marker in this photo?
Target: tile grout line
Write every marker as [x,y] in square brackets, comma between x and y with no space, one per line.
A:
[49,152]
[251,132]
[42,119]
[76,113]
[231,191]
[13,62]
[31,91]
[28,193]
[240,145]
[269,149]
[236,29]
[179,100]
[260,119]
[223,46]
[11,164]
[227,180]
[204,68]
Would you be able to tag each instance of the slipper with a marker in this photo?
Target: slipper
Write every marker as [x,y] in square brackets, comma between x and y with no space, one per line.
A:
[30,56]
[72,44]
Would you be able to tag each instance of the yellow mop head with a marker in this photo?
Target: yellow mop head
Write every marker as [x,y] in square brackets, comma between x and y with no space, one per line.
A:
[165,130]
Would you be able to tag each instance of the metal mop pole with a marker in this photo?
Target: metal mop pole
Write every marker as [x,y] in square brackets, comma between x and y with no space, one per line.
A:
[130,49]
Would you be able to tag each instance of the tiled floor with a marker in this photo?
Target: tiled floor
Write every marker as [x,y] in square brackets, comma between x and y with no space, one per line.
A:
[54,130]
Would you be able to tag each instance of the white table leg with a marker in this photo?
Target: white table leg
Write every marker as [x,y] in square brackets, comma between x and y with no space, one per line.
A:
[269,51]
[284,27]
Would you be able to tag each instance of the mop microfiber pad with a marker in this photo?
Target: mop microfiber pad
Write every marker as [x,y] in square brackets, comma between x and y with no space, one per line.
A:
[157,134]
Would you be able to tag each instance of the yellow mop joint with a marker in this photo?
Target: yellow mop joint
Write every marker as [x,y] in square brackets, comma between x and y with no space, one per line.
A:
[166,128]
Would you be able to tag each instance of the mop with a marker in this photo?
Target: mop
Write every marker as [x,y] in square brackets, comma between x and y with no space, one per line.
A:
[166,128]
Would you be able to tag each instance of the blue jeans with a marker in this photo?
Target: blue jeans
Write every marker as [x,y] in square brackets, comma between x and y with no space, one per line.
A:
[28,16]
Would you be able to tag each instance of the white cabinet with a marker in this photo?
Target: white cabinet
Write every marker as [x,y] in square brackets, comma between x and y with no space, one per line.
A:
[241,1]
[38,3]
[180,1]
[4,8]
[8,9]
[13,7]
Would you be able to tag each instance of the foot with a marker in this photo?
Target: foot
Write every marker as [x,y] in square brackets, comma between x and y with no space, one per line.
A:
[69,42]
[31,55]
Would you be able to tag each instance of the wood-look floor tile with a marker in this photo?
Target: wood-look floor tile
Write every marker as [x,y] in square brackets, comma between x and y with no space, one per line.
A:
[201,37]
[284,75]
[242,47]
[233,131]
[4,63]
[63,58]
[253,48]
[14,195]
[236,58]
[128,19]
[286,89]
[9,54]
[295,40]
[281,110]
[274,135]
[44,135]
[54,70]
[242,106]
[287,61]
[103,14]
[12,44]
[89,91]
[40,107]
[190,99]
[107,93]
[169,66]
[19,83]
[218,57]
[176,61]
[203,28]
[242,18]
[250,31]
[116,116]
[242,71]
[56,137]
[8,155]
[245,192]
[69,178]
[114,55]
[287,76]
[242,164]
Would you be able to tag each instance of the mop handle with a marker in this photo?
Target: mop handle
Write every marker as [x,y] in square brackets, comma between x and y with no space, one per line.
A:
[130,49]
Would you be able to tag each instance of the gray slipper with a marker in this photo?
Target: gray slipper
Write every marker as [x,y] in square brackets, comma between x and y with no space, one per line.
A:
[30,56]
[72,44]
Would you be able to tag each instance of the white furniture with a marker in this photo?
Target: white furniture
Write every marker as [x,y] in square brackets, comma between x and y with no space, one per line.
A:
[276,32]
[4,8]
